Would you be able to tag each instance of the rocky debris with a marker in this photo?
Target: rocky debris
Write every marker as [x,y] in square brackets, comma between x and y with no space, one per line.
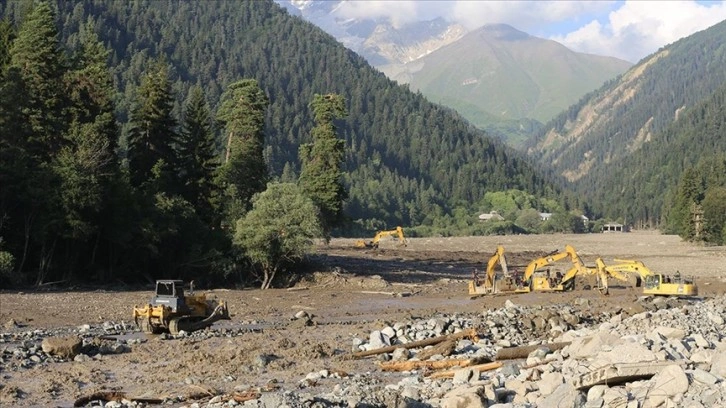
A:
[63,347]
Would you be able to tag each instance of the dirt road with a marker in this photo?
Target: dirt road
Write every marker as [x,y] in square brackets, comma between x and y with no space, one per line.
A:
[352,293]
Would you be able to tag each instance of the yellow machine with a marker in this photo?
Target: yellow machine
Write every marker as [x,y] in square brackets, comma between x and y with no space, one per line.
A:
[398,232]
[171,311]
[492,283]
[654,283]
[536,280]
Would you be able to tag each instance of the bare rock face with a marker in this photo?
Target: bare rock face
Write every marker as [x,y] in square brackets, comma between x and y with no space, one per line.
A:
[63,347]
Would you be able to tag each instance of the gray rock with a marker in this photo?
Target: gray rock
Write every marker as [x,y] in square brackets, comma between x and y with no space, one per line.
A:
[400,354]
[465,397]
[703,377]
[564,396]
[671,332]
[465,375]
[718,364]
[550,382]
[596,392]
[378,340]
[669,382]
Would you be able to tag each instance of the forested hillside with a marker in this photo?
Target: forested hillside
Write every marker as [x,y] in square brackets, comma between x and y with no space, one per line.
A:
[406,158]
[624,146]
[136,134]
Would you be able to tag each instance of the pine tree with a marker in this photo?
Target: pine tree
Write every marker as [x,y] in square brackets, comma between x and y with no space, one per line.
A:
[197,158]
[37,57]
[322,160]
[153,133]
[244,171]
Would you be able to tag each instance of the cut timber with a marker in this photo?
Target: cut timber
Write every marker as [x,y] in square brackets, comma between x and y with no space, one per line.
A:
[479,367]
[431,365]
[445,348]
[511,353]
[470,334]
[614,374]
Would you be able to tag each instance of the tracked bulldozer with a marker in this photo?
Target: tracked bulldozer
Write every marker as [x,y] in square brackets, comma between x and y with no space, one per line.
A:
[171,311]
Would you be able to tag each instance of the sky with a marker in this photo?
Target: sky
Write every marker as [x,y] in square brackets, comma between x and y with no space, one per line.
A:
[629,30]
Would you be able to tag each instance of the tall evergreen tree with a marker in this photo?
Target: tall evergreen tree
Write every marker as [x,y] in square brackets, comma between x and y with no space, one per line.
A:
[197,157]
[88,166]
[244,170]
[322,160]
[37,57]
[153,132]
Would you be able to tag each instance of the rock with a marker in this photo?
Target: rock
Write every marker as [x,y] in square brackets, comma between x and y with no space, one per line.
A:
[615,397]
[401,354]
[700,341]
[671,332]
[509,304]
[584,347]
[378,340]
[669,382]
[465,397]
[64,347]
[550,382]
[510,370]
[703,377]
[11,324]
[465,375]
[596,392]
[564,396]
[718,364]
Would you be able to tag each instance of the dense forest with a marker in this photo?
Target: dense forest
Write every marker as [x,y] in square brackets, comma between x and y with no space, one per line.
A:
[645,130]
[144,139]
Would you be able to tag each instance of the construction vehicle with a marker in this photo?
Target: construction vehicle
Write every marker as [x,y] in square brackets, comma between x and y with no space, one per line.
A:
[398,232]
[492,283]
[653,283]
[535,279]
[170,310]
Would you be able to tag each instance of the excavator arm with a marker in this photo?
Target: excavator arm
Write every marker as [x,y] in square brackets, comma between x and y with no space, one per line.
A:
[569,252]
[382,234]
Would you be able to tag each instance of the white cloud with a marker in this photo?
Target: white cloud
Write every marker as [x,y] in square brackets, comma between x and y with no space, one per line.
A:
[639,28]
[629,30]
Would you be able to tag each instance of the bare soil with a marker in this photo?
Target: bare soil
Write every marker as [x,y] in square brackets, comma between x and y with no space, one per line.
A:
[352,293]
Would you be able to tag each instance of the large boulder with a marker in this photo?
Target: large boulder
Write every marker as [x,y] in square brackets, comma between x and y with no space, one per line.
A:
[63,347]
[718,364]
[668,383]
[465,397]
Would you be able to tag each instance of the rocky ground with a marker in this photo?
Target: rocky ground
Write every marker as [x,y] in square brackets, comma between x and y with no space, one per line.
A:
[295,347]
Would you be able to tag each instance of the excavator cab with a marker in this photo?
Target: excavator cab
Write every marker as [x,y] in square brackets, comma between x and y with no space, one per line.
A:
[545,281]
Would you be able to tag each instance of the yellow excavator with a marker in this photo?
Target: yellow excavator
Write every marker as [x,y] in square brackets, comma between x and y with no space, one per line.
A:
[491,283]
[398,232]
[654,283]
[542,281]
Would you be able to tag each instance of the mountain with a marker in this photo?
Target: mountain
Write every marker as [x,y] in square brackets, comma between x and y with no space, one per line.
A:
[500,79]
[385,45]
[497,74]
[408,161]
[624,146]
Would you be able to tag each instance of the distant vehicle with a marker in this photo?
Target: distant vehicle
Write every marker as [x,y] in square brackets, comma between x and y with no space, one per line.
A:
[493,284]
[398,232]
[654,283]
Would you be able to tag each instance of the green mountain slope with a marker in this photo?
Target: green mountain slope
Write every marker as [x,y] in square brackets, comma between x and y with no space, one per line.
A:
[624,145]
[509,75]
[408,160]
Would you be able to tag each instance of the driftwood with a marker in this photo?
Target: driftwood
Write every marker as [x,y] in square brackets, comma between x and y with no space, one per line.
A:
[470,333]
[480,367]
[430,365]
[511,353]
[245,396]
[445,348]
[107,396]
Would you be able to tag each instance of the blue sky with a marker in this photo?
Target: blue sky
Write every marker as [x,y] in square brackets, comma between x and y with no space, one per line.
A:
[629,29]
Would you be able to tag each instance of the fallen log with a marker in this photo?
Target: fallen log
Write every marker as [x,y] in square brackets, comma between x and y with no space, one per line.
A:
[470,334]
[430,365]
[480,367]
[445,348]
[511,353]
